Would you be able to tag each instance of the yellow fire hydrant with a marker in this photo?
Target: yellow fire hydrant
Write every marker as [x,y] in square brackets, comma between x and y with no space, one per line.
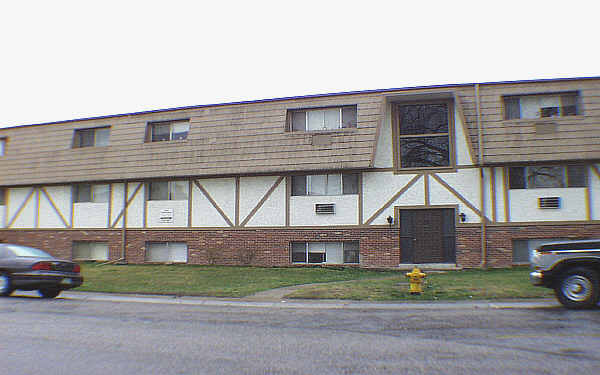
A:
[416,281]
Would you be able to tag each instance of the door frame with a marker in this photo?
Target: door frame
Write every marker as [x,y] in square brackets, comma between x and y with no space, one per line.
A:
[397,209]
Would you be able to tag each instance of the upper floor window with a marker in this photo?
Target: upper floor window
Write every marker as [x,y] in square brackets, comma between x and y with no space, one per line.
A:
[168,130]
[91,137]
[541,105]
[423,134]
[554,176]
[325,184]
[90,193]
[330,118]
[2,146]
[168,191]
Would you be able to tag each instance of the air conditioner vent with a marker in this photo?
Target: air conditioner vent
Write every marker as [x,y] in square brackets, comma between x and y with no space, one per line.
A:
[549,202]
[325,208]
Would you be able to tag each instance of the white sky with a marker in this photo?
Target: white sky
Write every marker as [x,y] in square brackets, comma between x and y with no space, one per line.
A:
[62,60]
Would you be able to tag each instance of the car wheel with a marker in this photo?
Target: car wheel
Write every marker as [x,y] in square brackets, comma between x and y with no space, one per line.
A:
[577,288]
[49,292]
[5,285]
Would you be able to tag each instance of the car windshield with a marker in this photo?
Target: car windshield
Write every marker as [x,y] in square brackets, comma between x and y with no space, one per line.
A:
[24,251]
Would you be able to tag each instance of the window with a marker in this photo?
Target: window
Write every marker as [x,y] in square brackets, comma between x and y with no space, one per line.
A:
[423,134]
[325,252]
[556,176]
[323,118]
[168,191]
[91,137]
[166,252]
[168,130]
[2,196]
[541,105]
[90,193]
[85,250]
[326,184]
[2,146]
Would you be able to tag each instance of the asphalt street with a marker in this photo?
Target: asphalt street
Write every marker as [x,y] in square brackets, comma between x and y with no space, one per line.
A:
[104,334]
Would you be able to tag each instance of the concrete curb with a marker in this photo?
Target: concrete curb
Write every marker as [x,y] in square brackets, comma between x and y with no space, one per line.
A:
[307,304]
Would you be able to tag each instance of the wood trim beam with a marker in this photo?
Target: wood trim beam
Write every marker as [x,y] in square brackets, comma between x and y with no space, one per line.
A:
[212,201]
[53,205]
[426,187]
[459,196]
[288,194]
[23,204]
[262,201]
[127,202]
[393,199]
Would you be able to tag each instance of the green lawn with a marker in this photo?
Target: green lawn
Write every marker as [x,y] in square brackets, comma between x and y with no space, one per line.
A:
[217,281]
[343,283]
[454,285]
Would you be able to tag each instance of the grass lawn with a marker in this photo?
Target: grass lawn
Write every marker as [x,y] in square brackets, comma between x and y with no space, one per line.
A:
[455,285]
[216,281]
[343,283]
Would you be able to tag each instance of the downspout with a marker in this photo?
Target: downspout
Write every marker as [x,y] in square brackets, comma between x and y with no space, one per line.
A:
[481,184]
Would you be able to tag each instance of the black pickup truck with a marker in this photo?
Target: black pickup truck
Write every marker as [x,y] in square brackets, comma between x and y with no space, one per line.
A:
[572,269]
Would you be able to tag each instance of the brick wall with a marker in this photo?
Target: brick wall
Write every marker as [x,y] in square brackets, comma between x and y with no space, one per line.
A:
[379,246]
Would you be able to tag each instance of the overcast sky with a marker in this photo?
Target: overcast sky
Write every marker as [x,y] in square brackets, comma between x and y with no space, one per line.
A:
[70,59]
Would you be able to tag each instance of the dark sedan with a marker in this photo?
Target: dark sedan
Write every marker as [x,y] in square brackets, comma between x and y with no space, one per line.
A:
[27,268]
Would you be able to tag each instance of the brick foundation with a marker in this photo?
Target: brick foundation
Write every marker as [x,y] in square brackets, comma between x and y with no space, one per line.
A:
[379,246]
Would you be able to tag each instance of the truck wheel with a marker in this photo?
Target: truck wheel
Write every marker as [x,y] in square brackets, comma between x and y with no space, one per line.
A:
[5,285]
[49,292]
[577,288]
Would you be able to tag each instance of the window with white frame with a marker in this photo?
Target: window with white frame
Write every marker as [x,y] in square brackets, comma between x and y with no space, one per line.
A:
[168,130]
[547,176]
[330,118]
[325,184]
[90,193]
[168,191]
[346,252]
[541,105]
[166,252]
[94,137]
[90,250]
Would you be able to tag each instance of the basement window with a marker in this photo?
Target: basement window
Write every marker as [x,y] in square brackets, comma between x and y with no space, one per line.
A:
[168,130]
[326,184]
[346,252]
[90,193]
[555,176]
[541,105]
[315,119]
[89,250]
[94,137]
[168,191]
[166,252]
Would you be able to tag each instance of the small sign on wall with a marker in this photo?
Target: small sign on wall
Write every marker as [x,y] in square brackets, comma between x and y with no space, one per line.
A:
[166,216]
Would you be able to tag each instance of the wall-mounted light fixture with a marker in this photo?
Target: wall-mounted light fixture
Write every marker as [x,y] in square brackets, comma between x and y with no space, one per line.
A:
[390,221]
[463,217]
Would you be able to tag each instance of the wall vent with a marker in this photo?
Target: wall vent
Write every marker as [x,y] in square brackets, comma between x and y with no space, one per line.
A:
[325,208]
[549,202]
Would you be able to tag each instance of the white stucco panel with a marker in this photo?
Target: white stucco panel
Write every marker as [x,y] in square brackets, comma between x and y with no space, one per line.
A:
[26,218]
[222,191]
[465,182]
[204,214]
[524,204]
[594,195]
[440,195]
[380,187]
[178,208]
[90,215]
[384,154]
[463,157]
[302,210]
[252,190]
[500,195]
[2,216]
[135,211]
[272,212]
[61,196]
[117,201]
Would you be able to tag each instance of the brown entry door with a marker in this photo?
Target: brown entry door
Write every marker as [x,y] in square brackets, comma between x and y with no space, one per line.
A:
[427,236]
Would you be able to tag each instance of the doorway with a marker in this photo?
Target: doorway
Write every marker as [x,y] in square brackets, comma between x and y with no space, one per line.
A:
[427,236]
